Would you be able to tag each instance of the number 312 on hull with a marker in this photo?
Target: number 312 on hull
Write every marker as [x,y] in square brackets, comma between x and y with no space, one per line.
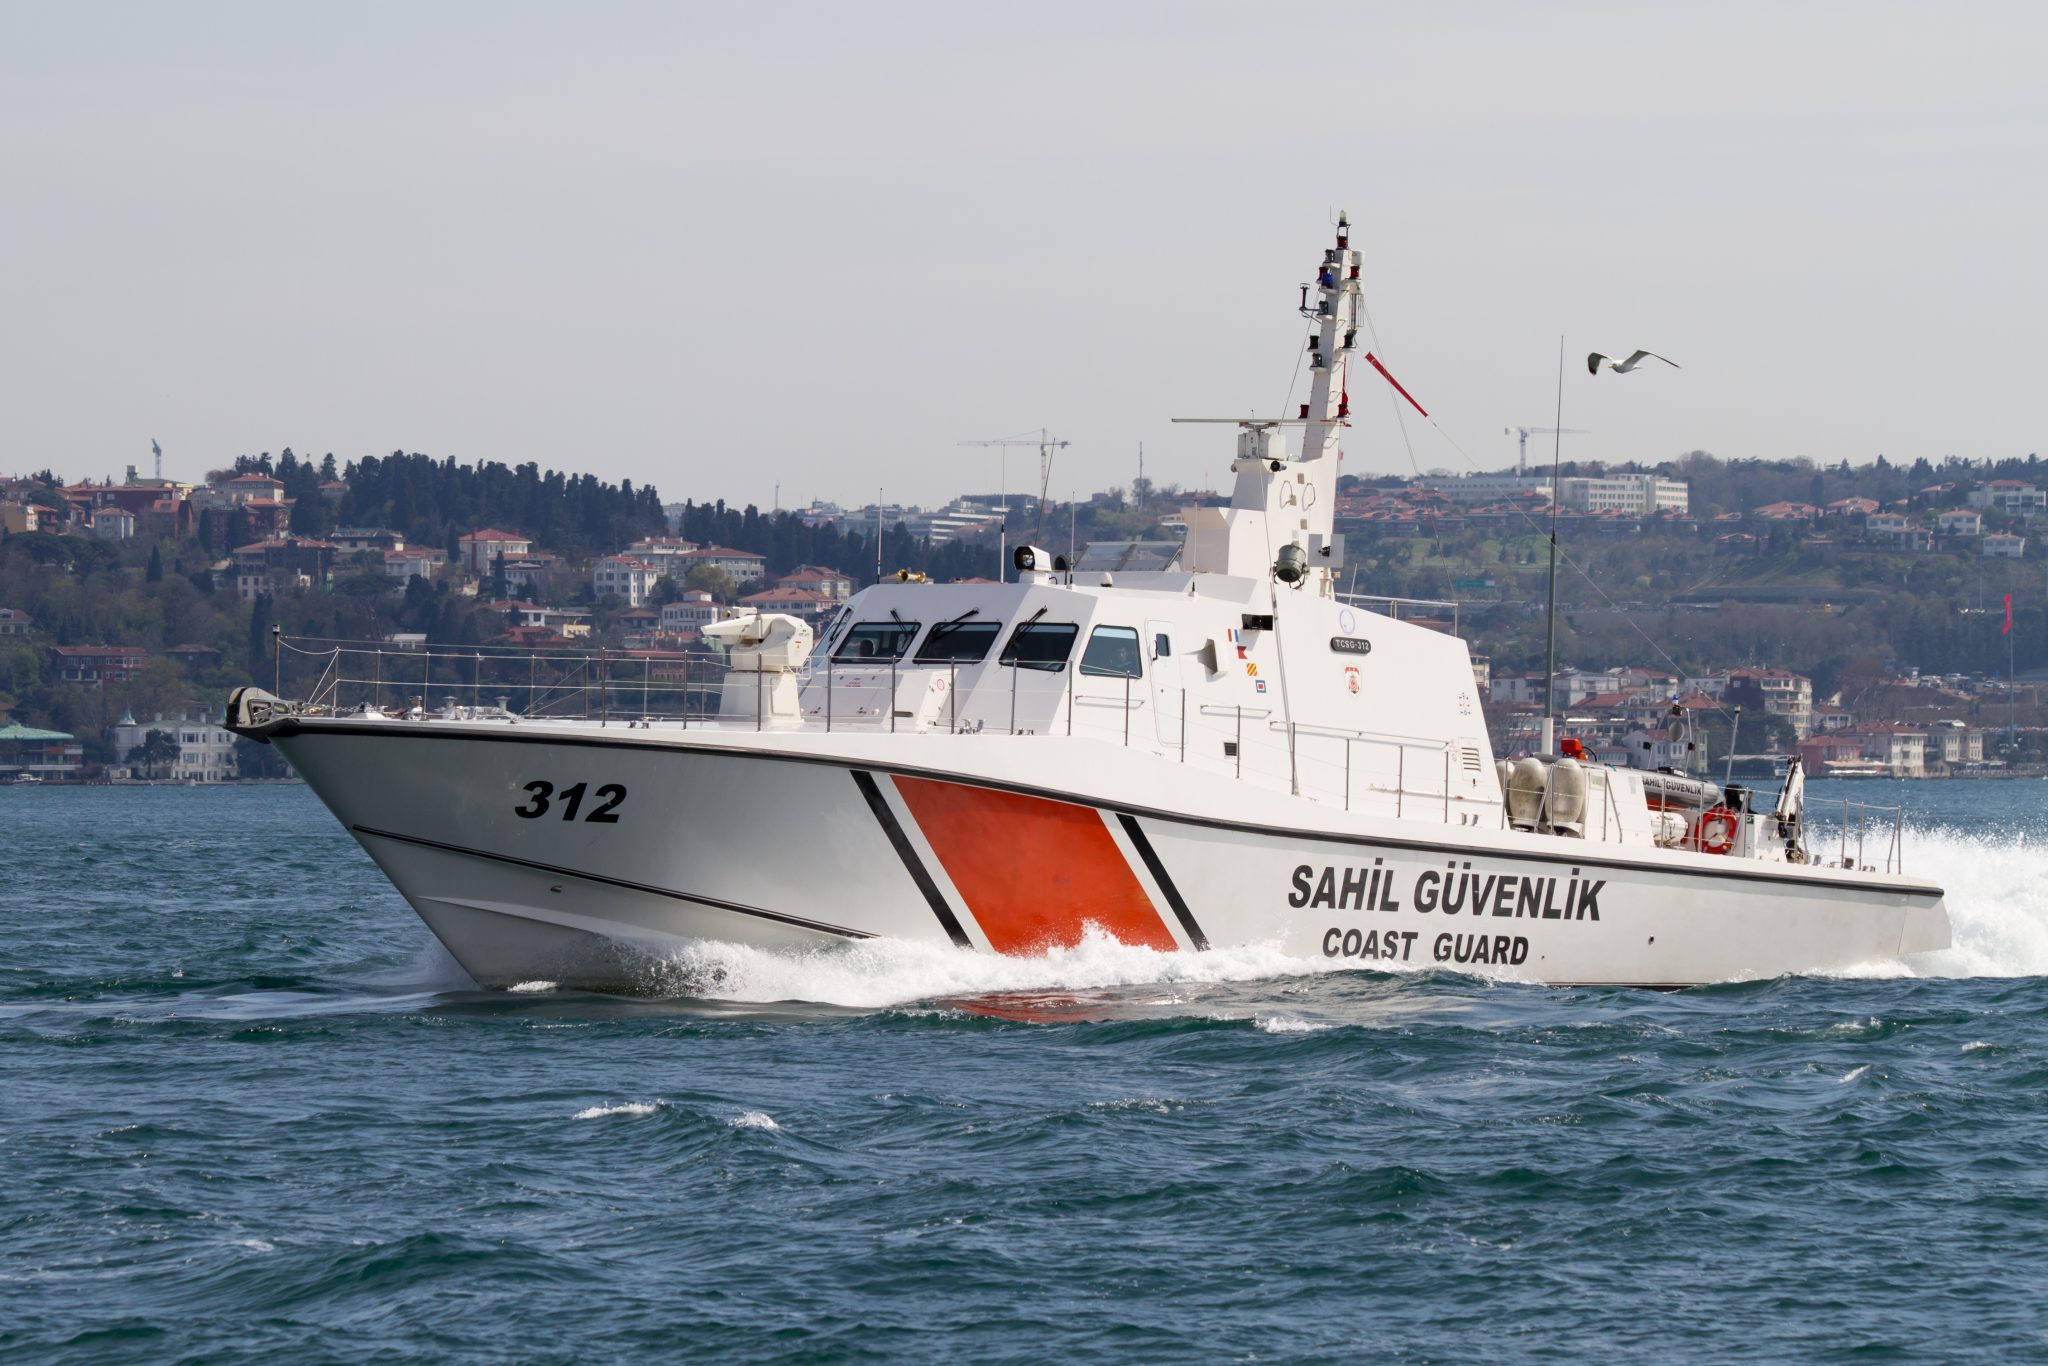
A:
[543,794]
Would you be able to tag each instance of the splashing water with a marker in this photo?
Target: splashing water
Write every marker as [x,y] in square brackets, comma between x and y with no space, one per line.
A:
[1997,888]
[878,973]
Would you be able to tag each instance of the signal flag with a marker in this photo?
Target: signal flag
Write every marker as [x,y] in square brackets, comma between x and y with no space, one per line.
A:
[2008,616]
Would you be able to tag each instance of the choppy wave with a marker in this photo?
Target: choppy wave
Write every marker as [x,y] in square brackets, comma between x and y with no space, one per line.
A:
[635,1108]
[388,1164]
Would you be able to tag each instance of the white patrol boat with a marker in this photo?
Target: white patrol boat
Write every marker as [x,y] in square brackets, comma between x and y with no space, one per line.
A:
[1221,749]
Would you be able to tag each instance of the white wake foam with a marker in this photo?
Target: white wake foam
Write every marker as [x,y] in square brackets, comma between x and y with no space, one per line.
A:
[753,1119]
[1997,887]
[877,973]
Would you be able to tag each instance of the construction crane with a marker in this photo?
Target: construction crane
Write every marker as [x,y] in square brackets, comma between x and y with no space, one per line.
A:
[1524,433]
[1047,444]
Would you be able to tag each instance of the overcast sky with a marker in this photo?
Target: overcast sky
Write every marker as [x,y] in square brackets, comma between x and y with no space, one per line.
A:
[724,246]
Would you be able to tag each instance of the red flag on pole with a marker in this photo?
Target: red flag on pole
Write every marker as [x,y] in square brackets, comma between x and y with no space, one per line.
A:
[2008,616]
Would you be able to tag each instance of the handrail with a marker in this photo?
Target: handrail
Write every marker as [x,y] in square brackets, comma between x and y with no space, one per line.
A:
[606,687]
[1367,601]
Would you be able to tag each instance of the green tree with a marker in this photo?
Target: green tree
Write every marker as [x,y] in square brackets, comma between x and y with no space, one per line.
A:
[157,753]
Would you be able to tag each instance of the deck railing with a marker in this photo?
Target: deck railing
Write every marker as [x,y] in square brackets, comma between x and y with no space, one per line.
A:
[1864,834]
[336,676]
[1417,776]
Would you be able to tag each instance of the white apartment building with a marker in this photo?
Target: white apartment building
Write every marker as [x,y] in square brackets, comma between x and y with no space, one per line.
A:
[1779,692]
[206,752]
[1903,752]
[1957,743]
[1488,488]
[480,549]
[695,610]
[666,553]
[1637,495]
[625,577]
[2004,546]
[418,562]
[113,524]
[2010,496]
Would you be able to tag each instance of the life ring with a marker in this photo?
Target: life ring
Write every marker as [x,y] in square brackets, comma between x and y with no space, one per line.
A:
[1714,832]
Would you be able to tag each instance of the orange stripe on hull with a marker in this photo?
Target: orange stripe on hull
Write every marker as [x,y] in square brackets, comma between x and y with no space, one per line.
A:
[1035,873]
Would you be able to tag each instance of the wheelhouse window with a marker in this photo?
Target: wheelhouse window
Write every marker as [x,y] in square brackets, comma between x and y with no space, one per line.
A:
[1112,651]
[833,624]
[1041,645]
[959,642]
[876,640]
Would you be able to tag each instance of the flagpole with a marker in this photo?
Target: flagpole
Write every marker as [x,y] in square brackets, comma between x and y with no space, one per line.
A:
[1550,612]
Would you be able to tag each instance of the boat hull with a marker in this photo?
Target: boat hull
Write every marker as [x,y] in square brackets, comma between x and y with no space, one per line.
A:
[586,858]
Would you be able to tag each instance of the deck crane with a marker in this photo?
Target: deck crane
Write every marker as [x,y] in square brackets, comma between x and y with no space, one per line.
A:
[1524,433]
[1047,444]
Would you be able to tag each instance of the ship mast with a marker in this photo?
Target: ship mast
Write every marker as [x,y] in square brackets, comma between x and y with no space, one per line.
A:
[1328,410]
[1282,511]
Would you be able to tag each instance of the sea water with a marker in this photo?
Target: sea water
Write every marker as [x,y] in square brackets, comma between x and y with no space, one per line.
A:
[249,1112]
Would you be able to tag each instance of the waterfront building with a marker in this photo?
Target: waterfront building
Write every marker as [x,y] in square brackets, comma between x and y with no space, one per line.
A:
[206,751]
[44,754]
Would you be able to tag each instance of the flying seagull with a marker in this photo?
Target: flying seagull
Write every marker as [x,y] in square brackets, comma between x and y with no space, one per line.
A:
[1622,367]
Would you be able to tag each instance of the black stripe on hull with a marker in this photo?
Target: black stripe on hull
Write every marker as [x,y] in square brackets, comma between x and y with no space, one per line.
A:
[738,909]
[1159,875]
[912,864]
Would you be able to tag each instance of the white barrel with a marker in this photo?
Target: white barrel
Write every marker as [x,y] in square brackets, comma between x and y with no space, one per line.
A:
[1525,791]
[1568,796]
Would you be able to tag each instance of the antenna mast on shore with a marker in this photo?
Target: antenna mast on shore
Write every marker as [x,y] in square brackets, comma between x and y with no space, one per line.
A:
[1047,444]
